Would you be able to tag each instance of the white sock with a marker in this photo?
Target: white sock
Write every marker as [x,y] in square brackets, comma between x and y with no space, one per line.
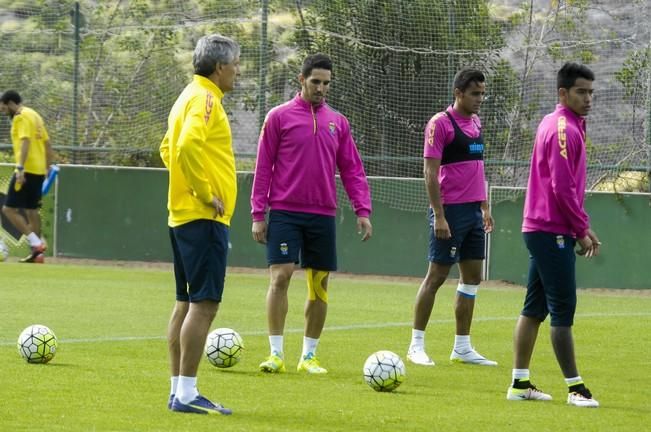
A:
[33,239]
[520,374]
[309,346]
[276,345]
[462,343]
[186,390]
[417,339]
[175,383]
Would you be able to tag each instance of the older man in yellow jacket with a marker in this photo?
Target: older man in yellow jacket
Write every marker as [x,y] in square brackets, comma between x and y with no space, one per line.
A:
[197,150]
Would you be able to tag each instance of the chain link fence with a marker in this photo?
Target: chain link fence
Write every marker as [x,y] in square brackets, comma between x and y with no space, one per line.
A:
[105,74]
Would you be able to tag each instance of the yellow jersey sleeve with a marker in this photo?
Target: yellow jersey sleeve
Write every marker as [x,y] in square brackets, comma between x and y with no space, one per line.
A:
[190,153]
[21,128]
[164,149]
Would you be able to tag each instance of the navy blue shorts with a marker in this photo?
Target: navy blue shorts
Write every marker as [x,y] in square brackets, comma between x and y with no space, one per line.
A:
[468,241]
[29,195]
[551,288]
[310,236]
[200,248]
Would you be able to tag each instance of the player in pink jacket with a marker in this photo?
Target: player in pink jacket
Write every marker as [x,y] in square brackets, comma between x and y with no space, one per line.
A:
[554,221]
[459,216]
[303,143]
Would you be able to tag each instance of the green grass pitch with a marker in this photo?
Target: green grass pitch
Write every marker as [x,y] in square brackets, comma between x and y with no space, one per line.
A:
[111,370]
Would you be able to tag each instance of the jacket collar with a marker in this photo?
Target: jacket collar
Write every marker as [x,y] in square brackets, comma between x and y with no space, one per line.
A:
[206,83]
[298,99]
[569,113]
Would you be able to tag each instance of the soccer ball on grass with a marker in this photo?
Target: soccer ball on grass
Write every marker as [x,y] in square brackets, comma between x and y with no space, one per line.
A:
[384,371]
[4,251]
[224,347]
[37,344]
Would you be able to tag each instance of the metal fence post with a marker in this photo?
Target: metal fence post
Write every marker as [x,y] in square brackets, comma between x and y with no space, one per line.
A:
[262,85]
[648,116]
[75,77]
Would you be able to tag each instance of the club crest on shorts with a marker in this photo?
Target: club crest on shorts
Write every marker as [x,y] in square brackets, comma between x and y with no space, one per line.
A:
[453,251]
[332,128]
[284,249]
[560,242]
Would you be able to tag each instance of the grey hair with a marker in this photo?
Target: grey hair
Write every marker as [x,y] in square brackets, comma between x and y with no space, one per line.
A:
[212,50]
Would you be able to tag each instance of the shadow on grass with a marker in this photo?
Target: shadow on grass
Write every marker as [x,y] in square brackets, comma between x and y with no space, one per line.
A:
[55,365]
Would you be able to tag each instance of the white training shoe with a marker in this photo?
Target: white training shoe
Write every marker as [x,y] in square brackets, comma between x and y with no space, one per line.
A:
[530,393]
[418,356]
[471,357]
[582,398]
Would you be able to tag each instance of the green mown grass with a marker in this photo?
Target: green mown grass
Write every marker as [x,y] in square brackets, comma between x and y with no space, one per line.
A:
[111,370]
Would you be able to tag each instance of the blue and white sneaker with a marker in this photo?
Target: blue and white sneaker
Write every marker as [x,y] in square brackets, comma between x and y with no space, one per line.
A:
[200,405]
[169,401]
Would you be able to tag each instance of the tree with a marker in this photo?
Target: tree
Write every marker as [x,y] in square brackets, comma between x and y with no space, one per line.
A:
[135,58]
[394,62]
[635,77]
[538,41]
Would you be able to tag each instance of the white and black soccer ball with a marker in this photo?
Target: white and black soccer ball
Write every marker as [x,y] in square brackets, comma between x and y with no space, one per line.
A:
[37,344]
[384,371]
[4,251]
[224,347]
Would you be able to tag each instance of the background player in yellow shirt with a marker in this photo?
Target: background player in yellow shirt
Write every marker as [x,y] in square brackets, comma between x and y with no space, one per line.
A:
[197,150]
[33,154]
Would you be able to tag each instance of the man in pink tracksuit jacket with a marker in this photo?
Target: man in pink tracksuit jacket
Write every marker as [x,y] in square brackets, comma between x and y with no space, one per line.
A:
[554,221]
[302,144]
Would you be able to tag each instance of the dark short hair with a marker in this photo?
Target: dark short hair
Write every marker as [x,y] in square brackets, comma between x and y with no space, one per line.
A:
[316,61]
[467,76]
[570,72]
[10,96]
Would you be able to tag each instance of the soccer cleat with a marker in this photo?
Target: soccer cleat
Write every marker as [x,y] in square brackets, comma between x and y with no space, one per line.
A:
[273,364]
[417,355]
[36,255]
[169,401]
[471,357]
[582,398]
[310,364]
[529,393]
[200,405]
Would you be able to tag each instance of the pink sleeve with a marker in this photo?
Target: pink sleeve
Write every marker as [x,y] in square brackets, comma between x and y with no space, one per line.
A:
[267,150]
[351,171]
[563,148]
[436,136]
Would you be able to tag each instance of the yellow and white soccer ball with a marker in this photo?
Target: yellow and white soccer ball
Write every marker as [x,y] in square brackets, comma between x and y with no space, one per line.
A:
[384,371]
[37,344]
